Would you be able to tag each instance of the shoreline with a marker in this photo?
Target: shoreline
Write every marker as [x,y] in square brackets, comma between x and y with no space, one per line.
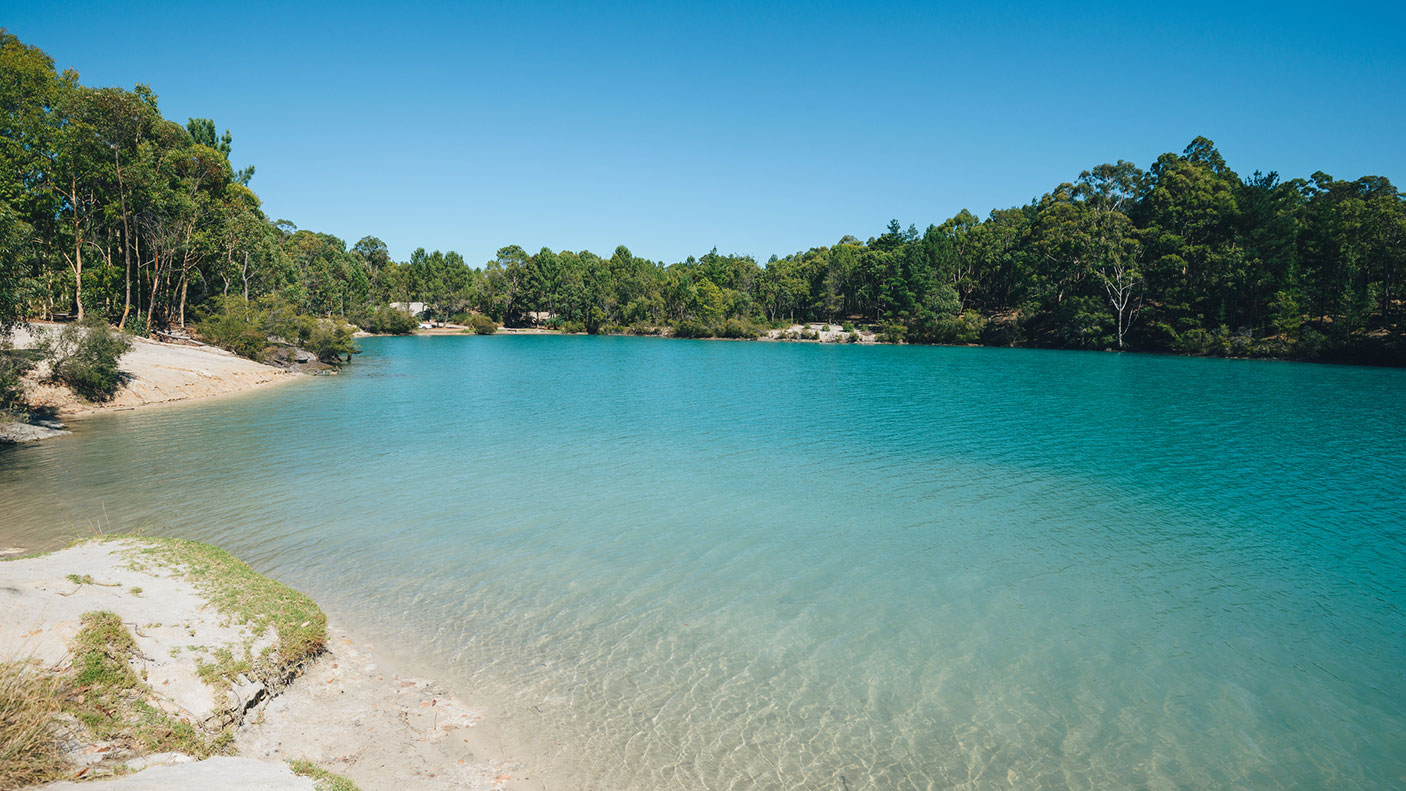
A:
[348,709]
[158,374]
[871,339]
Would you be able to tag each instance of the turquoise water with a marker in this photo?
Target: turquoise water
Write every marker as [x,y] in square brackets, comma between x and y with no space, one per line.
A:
[732,565]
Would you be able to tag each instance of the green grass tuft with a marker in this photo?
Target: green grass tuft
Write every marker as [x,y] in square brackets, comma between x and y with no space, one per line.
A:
[323,780]
[101,652]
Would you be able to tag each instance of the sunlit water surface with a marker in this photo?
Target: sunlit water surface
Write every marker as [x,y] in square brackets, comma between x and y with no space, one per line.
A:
[731,565]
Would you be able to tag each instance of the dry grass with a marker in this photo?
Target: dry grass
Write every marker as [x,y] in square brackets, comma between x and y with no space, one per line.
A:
[29,748]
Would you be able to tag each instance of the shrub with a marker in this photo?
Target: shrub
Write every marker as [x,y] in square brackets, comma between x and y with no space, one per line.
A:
[330,340]
[692,329]
[248,329]
[482,325]
[738,328]
[14,364]
[84,355]
[235,325]
[892,333]
[387,321]
[1310,344]
[1002,333]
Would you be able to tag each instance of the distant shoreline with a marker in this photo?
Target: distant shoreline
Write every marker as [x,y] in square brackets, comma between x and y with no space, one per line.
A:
[872,339]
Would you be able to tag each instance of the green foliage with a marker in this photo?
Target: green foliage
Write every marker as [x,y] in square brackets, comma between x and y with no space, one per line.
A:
[323,780]
[234,324]
[102,650]
[738,328]
[110,700]
[331,340]
[692,329]
[480,324]
[892,332]
[1120,257]
[386,321]
[248,329]
[84,357]
[14,364]
[245,596]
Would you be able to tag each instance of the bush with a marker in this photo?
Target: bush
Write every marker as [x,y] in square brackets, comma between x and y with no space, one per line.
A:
[892,333]
[235,325]
[83,356]
[481,324]
[692,329]
[14,364]
[330,340]
[739,328]
[387,321]
[1310,344]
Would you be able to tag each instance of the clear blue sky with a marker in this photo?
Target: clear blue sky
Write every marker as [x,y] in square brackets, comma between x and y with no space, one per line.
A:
[676,128]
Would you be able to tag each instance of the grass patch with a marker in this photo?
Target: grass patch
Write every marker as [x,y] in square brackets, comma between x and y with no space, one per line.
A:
[107,697]
[80,579]
[245,597]
[29,748]
[323,780]
[101,652]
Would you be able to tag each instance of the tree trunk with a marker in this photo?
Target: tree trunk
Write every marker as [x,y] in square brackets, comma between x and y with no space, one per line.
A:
[126,243]
[77,255]
[185,284]
[155,284]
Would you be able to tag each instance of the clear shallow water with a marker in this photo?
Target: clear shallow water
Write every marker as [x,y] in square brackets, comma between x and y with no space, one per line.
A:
[730,565]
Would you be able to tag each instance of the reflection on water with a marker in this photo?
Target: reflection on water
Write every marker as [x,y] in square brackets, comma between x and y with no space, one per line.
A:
[731,565]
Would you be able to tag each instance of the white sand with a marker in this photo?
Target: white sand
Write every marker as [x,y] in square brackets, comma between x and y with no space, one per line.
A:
[159,373]
[347,712]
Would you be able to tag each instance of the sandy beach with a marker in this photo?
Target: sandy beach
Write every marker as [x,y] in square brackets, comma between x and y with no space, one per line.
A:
[345,710]
[158,373]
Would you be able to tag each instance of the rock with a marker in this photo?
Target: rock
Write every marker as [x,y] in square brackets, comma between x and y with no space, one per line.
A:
[156,759]
[17,431]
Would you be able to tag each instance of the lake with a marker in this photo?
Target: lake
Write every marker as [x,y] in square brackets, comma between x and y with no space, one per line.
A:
[689,564]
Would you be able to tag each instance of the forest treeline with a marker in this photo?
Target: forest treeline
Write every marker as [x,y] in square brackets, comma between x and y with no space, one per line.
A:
[108,208]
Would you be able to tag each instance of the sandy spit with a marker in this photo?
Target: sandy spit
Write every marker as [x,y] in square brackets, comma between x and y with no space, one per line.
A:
[159,373]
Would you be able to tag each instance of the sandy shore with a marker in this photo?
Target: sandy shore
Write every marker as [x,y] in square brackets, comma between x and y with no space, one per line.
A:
[346,711]
[158,373]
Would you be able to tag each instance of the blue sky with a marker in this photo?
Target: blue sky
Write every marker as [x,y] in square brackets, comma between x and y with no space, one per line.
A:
[674,128]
